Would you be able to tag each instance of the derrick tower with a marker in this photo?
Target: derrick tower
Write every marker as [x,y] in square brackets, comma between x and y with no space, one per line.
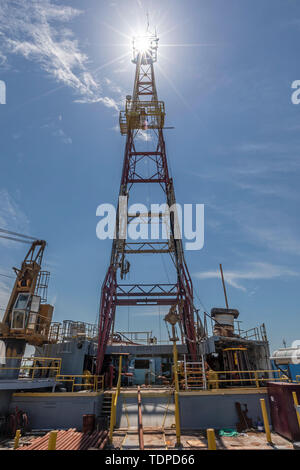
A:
[143,113]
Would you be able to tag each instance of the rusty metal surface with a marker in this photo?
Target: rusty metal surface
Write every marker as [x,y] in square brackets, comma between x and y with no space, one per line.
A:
[70,440]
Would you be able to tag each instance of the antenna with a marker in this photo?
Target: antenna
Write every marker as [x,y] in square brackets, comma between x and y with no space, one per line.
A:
[224,287]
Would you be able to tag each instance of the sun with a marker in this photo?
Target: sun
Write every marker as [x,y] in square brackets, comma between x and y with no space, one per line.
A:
[142,43]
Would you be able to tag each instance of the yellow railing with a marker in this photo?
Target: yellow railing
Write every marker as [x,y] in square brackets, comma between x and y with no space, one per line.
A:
[31,367]
[94,383]
[142,115]
[253,377]
[114,402]
[194,377]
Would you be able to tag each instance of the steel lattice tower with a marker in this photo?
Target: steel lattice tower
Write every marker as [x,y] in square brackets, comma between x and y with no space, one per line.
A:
[143,111]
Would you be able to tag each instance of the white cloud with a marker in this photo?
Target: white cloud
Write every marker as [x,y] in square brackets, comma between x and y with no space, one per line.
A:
[254,271]
[257,147]
[40,32]
[11,215]
[280,238]
[272,227]
[36,31]
[273,189]
[62,135]
[108,102]
[54,126]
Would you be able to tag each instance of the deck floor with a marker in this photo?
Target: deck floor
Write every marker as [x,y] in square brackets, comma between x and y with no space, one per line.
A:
[155,439]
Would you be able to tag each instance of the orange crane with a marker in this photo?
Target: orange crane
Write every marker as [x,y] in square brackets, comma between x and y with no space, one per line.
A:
[27,318]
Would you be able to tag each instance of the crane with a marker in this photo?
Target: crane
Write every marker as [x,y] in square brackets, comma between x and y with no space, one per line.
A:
[27,317]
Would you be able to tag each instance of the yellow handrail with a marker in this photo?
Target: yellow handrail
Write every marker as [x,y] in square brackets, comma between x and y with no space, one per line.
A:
[114,402]
[295,399]
[95,382]
[33,364]
[266,420]
[194,376]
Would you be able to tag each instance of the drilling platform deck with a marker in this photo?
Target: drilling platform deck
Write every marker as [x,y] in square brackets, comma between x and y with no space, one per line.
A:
[126,389]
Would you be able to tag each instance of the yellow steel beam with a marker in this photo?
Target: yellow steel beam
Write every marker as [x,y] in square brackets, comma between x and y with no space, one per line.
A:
[17,439]
[52,440]
[266,420]
[296,404]
[211,439]
[112,417]
[177,419]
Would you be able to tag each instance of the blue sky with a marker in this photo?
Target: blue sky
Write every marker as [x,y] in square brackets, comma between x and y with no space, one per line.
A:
[225,70]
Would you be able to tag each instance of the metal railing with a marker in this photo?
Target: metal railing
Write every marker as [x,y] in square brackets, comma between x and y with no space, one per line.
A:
[192,376]
[253,378]
[144,114]
[30,368]
[258,333]
[92,383]
[69,329]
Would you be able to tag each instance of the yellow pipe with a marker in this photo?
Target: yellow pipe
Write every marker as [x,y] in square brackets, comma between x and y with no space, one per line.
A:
[112,417]
[211,439]
[296,404]
[119,376]
[52,440]
[17,438]
[177,419]
[266,420]
[175,359]
[118,389]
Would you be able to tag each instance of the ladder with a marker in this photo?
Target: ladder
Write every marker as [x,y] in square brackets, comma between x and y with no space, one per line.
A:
[192,375]
[106,408]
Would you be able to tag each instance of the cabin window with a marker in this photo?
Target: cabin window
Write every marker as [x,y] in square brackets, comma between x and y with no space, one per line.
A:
[22,301]
[18,320]
[142,364]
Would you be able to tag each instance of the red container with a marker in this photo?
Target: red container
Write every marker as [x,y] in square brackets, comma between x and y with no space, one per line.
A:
[88,423]
[282,409]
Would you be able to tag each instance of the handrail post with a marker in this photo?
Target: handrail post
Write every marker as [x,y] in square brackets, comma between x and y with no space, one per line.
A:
[295,398]
[118,388]
[185,374]
[211,439]
[175,359]
[177,419]
[119,375]
[266,421]
[52,440]
[17,439]
[33,367]
[112,417]
[176,391]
